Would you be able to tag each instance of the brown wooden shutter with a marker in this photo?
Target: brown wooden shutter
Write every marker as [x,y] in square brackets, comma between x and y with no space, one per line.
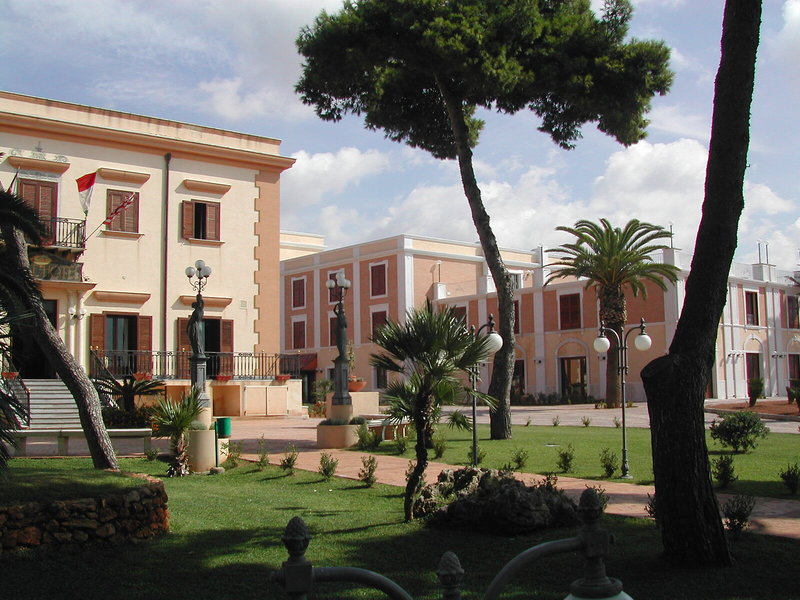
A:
[182,336]
[298,335]
[187,219]
[97,331]
[332,331]
[130,218]
[378,320]
[378,279]
[298,293]
[226,335]
[517,327]
[144,333]
[41,195]
[212,221]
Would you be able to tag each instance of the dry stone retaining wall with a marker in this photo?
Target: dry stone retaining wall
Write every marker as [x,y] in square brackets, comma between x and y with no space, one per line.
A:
[130,516]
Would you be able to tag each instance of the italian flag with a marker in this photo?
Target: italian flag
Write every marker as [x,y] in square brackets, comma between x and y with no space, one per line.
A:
[85,186]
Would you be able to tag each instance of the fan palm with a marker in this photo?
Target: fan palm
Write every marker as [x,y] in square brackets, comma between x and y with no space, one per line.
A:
[430,349]
[172,420]
[613,259]
[127,389]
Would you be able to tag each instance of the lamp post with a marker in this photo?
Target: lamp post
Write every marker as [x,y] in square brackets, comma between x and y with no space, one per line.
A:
[493,345]
[196,331]
[602,344]
[341,395]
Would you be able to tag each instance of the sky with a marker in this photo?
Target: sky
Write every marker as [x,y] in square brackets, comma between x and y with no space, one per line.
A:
[233,64]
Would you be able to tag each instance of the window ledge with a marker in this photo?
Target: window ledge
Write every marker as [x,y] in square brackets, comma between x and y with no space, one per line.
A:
[127,235]
[201,242]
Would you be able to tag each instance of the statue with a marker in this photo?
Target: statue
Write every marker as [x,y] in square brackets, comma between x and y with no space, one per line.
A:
[195,328]
[341,330]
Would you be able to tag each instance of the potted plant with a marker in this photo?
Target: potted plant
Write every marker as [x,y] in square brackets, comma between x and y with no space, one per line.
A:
[354,383]
[755,389]
[282,378]
[10,374]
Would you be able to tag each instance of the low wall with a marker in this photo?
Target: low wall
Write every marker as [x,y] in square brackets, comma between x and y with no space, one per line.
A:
[136,514]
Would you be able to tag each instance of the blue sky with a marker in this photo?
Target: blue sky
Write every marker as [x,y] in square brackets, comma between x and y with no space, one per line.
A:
[232,64]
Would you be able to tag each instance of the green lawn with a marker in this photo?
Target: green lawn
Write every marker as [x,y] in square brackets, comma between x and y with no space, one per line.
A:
[225,541]
[758,470]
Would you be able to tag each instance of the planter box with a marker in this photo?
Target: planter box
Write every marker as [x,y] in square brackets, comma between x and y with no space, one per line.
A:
[336,436]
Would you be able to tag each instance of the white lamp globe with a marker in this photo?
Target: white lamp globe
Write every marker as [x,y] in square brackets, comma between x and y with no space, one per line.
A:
[199,264]
[601,344]
[205,271]
[190,272]
[494,343]
[330,283]
[642,342]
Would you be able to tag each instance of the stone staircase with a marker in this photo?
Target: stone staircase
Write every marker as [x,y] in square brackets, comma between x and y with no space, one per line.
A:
[52,405]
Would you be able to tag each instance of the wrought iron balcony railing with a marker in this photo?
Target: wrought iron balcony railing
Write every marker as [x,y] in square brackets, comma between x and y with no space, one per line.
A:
[64,233]
[175,365]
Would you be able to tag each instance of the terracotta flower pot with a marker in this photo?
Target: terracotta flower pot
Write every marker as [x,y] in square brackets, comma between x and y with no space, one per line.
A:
[356,386]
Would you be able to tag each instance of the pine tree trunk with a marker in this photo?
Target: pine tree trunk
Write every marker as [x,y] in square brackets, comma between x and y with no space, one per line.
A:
[500,385]
[687,508]
[71,373]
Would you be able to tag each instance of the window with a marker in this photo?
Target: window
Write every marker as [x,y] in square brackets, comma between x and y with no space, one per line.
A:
[332,330]
[794,370]
[200,220]
[377,278]
[43,197]
[460,313]
[573,376]
[298,334]
[751,308]
[793,310]
[125,340]
[299,292]
[516,316]
[124,206]
[379,318]
[570,311]
[752,365]
[381,379]
[516,280]
[334,292]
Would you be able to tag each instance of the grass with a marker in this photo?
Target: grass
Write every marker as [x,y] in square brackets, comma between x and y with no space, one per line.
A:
[758,470]
[226,532]
[36,480]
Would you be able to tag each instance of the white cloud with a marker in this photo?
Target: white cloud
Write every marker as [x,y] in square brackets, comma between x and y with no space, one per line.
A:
[230,99]
[316,177]
[679,121]
[785,46]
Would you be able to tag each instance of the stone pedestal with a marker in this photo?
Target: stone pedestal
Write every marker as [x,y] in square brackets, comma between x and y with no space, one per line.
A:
[201,450]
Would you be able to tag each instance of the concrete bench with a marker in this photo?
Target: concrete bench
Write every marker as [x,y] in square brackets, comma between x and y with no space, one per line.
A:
[63,436]
[387,430]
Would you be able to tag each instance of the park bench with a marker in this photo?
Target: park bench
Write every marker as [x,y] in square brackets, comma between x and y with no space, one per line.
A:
[63,436]
[386,429]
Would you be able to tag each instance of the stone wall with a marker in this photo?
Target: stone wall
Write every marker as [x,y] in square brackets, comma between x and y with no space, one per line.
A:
[130,516]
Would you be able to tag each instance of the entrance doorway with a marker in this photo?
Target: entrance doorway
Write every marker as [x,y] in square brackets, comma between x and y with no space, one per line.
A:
[573,376]
[26,353]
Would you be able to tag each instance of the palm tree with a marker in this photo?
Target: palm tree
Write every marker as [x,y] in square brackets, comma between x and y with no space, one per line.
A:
[430,350]
[172,420]
[127,390]
[20,294]
[613,259]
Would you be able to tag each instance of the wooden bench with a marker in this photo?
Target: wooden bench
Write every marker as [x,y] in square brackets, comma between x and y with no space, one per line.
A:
[63,436]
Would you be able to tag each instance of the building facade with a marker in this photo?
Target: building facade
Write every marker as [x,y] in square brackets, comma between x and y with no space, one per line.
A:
[556,324]
[165,195]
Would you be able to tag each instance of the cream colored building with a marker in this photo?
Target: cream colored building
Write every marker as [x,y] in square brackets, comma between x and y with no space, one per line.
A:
[118,286]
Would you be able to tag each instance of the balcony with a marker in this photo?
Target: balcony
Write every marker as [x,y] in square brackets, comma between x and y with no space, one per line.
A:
[175,365]
[64,233]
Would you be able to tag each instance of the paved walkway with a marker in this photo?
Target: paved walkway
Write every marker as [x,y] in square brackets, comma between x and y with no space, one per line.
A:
[770,516]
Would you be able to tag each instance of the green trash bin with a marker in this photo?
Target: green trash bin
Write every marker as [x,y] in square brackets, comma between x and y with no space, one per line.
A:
[223,427]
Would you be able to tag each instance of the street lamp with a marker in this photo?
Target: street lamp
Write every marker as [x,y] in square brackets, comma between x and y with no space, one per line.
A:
[341,395]
[493,345]
[196,330]
[602,344]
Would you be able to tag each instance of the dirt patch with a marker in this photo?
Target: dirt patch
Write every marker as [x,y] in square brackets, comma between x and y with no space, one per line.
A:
[765,407]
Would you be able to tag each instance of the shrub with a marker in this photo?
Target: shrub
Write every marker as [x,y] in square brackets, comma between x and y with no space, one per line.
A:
[234,450]
[401,444]
[439,445]
[650,508]
[519,458]
[119,418]
[791,477]
[481,456]
[289,458]
[528,422]
[737,513]
[586,421]
[317,409]
[617,422]
[507,467]
[151,453]
[327,466]
[565,459]
[367,440]
[263,456]
[359,420]
[609,461]
[326,422]
[367,473]
[739,430]
[556,421]
[722,471]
